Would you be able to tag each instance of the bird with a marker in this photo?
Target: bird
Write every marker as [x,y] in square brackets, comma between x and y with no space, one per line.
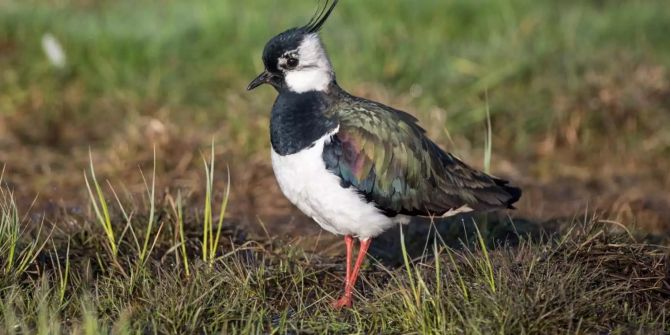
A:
[358,167]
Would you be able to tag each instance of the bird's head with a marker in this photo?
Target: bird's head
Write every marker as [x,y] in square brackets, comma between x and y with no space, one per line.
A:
[296,60]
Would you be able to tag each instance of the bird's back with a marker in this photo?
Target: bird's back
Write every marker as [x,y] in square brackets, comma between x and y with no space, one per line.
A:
[384,154]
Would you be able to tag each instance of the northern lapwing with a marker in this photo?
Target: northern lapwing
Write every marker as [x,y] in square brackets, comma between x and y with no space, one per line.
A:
[355,166]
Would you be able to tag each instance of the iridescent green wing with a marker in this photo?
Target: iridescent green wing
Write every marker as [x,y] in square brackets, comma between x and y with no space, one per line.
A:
[385,155]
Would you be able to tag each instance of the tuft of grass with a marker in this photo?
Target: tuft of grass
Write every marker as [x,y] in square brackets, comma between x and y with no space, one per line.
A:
[177,209]
[146,250]
[102,214]
[486,262]
[100,207]
[210,237]
[62,272]
[17,251]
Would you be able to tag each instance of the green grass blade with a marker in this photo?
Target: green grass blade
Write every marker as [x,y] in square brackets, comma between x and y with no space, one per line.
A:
[151,193]
[180,223]
[222,211]
[487,260]
[100,206]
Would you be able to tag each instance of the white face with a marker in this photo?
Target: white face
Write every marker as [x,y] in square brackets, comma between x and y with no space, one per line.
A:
[312,72]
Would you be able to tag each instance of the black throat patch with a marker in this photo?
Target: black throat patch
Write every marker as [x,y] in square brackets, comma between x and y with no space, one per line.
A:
[298,120]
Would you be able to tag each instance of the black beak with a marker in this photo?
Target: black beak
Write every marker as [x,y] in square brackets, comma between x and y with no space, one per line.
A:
[263,78]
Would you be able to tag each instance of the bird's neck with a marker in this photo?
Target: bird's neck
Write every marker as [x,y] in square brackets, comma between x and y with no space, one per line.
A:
[299,119]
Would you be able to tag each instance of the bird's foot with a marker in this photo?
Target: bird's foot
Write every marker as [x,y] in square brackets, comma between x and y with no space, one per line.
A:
[343,302]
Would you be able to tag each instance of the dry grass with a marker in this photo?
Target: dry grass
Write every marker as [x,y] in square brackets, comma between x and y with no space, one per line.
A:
[582,279]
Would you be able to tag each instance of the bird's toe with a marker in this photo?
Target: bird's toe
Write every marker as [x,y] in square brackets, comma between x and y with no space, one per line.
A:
[342,302]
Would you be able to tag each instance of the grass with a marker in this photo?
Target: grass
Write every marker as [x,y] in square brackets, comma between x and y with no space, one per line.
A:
[101,211]
[587,279]
[568,99]
[17,254]
[448,54]
[210,241]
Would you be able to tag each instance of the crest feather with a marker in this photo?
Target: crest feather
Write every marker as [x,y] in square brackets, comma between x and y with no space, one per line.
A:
[320,16]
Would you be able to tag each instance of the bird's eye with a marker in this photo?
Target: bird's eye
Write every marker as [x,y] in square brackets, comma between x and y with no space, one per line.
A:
[292,62]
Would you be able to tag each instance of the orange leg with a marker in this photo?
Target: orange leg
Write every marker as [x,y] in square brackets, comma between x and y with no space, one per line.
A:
[349,242]
[345,300]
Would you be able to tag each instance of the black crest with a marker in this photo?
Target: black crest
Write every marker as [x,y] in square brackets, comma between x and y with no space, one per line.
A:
[320,16]
[291,39]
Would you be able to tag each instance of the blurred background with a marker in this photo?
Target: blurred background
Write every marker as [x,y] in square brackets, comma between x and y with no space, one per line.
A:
[578,94]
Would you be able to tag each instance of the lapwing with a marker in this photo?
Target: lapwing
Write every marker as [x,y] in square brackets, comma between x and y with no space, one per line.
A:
[355,166]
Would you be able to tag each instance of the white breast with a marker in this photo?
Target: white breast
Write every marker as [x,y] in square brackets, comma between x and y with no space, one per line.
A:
[306,182]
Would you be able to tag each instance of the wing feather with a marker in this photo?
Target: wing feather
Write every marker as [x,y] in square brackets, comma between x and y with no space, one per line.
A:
[386,156]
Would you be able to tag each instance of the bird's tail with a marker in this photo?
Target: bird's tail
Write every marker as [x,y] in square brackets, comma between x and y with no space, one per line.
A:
[480,191]
[513,192]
